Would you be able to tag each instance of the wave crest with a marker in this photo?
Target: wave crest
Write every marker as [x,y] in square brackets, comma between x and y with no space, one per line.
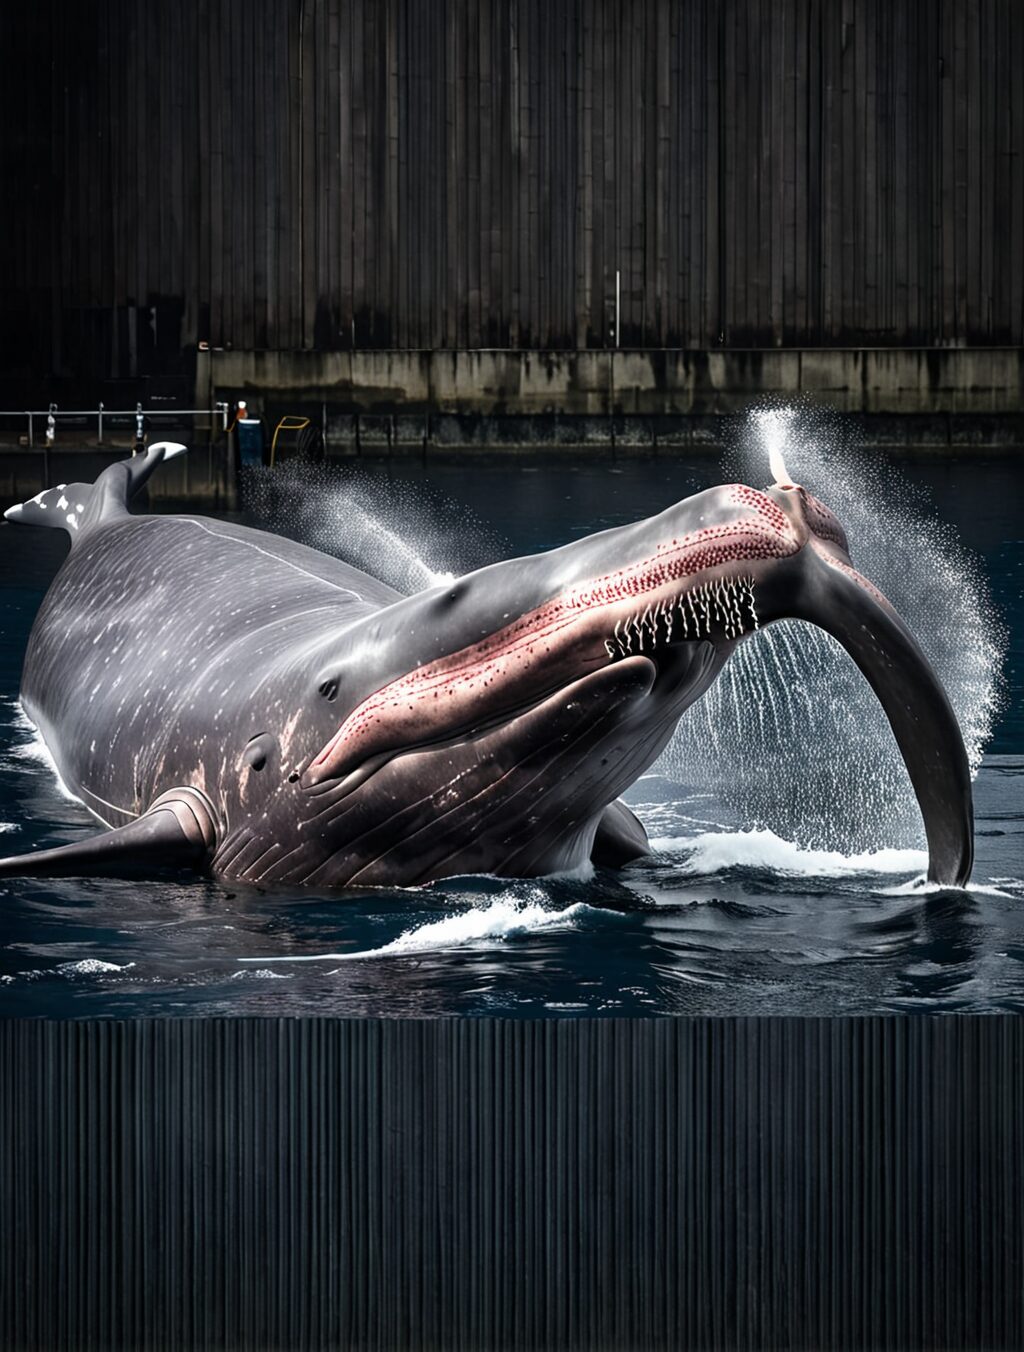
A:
[718,851]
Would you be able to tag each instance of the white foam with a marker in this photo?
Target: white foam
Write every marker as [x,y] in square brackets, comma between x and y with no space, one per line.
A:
[33,748]
[91,967]
[712,852]
[503,918]
[261,974]
[921,887]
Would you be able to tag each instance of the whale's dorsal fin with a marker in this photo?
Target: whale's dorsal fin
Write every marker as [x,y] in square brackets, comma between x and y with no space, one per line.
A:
[178,832]
[76,507]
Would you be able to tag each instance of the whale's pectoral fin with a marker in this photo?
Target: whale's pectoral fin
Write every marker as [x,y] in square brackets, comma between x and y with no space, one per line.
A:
[177,832]
[74,507]
[620,837]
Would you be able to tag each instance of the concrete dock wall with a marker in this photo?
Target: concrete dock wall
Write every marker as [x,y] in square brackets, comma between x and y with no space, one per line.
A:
[935,400]
[653,382]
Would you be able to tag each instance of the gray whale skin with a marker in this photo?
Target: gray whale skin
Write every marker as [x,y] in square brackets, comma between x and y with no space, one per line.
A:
[231,702]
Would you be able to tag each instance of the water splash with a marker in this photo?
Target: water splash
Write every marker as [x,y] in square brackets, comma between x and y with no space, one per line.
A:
[791,736]
[31,747]
[92,967]
[719,851]
[407,534]
[506,916]
[367,538]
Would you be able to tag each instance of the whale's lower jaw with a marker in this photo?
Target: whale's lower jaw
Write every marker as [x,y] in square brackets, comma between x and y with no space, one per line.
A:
[522,799]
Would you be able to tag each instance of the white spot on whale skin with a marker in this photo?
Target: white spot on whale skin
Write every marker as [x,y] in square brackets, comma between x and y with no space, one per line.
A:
[62,503]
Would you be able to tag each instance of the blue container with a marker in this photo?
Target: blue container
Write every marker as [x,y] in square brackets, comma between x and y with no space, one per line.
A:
[250,441]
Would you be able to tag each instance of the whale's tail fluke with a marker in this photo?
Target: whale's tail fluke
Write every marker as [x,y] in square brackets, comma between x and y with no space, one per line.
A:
[77,507]
[822,588]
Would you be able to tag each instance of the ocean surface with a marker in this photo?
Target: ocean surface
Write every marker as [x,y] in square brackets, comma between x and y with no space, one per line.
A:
[787,875]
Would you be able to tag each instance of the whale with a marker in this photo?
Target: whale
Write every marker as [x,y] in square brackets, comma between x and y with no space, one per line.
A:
[234,704]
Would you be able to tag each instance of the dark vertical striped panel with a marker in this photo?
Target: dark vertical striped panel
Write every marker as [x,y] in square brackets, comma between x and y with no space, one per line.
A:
[743,1183]
[472,173]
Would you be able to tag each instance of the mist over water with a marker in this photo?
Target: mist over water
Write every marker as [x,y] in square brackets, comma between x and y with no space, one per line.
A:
[791,736]
[409,535]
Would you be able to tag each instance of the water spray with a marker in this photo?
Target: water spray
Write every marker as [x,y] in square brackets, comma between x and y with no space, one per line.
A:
[790,736]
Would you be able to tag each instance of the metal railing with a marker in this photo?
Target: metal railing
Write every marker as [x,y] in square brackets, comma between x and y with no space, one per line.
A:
[219,410]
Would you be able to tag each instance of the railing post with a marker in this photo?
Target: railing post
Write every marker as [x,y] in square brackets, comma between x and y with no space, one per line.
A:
[99,424]
[51,434]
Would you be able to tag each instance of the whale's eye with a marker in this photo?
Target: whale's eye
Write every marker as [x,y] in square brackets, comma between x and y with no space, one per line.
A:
[329,688]
[257,750]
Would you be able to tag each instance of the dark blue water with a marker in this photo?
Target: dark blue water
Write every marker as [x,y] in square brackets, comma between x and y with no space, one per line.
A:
[728,916]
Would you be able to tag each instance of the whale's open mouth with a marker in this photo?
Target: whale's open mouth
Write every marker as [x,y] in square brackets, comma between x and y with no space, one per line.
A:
[515,639]
[725,607]
[455,743]
[470,692]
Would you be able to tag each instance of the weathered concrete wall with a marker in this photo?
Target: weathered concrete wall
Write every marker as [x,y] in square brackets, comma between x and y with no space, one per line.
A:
[890,381]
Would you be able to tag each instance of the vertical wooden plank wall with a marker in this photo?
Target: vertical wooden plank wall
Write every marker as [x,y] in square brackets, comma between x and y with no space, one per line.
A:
[472,173]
